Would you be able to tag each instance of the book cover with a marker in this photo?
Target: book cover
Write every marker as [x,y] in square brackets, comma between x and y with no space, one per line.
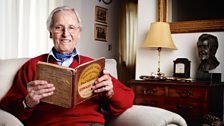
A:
[72,85]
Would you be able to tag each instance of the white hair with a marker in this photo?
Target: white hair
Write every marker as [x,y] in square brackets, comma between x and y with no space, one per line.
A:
[61,8]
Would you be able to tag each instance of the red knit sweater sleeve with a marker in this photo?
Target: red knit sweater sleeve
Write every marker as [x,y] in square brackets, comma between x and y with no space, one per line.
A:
[122,99]
[12,101]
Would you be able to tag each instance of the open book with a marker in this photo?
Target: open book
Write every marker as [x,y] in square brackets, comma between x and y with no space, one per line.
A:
[72,85]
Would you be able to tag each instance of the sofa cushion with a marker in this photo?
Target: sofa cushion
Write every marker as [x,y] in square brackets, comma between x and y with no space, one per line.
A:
[111,65]
[139,115]
[7,119]
[8,69]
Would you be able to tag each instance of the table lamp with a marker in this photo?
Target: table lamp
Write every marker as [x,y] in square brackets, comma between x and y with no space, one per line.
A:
[159,36]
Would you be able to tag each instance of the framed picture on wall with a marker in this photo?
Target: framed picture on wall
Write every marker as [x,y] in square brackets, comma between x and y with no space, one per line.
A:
[101,14]
[100,32]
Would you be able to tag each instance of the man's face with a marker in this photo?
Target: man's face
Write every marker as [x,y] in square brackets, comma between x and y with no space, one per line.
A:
[65,31]
[203,49]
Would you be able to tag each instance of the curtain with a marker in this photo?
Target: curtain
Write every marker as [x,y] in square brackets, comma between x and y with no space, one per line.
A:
[127,40]
[23,27]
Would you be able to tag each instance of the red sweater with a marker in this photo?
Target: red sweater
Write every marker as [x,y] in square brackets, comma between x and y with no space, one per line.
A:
[47,114]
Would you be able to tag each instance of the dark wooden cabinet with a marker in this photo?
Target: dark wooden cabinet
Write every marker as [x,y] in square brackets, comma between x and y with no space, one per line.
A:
[191,100]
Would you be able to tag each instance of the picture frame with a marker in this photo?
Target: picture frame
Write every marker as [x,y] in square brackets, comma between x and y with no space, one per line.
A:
[100,32]
[101,14]
[206,25]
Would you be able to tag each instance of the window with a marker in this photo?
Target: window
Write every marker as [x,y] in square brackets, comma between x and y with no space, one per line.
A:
[23,27]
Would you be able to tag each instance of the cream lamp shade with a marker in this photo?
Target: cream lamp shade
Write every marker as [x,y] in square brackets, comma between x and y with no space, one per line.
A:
[159,35]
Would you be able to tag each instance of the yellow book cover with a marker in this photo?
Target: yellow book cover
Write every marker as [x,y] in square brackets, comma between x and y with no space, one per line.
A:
[72,85]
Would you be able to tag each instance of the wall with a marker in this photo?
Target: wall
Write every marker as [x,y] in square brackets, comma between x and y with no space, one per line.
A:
[185,42]
[87,45]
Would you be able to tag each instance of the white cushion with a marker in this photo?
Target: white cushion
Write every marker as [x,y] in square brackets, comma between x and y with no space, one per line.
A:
[139,115]
[8,69]
[111,65]
[7,119]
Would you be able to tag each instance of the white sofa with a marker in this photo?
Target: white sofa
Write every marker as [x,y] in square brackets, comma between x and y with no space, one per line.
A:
[135,116]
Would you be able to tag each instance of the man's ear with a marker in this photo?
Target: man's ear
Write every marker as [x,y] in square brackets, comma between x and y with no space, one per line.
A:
[50,35]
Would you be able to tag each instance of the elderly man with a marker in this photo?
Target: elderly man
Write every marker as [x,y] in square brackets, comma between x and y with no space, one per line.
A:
[23,99]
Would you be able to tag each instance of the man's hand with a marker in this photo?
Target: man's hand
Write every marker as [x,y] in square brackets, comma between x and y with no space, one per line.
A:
[104,84]
[37,90]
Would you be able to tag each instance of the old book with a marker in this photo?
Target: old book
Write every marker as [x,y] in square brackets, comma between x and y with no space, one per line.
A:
[72,85]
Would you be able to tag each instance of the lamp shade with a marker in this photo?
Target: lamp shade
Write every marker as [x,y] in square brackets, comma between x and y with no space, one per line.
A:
[159,36]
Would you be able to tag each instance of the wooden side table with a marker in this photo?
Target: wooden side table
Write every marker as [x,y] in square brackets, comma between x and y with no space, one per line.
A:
[191,100]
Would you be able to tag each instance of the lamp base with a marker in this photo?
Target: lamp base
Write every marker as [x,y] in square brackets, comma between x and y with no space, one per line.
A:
[158,75]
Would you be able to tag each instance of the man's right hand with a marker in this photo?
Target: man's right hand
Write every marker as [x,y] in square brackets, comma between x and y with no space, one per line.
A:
[37,90]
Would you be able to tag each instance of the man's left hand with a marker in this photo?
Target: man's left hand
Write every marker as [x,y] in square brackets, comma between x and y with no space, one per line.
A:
[104,84]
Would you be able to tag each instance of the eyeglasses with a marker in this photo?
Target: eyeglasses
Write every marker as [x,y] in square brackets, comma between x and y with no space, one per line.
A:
[61,29]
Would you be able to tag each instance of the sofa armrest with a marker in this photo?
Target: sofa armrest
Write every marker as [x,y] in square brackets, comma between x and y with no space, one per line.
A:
[147,116]
[7,119]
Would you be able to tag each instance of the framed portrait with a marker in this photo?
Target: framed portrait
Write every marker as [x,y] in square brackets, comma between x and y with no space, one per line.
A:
[100,32]
[101,14]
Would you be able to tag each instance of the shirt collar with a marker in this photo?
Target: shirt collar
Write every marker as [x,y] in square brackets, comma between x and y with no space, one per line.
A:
[74,54]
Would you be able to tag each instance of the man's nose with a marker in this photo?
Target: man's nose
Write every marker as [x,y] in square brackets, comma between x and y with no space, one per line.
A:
[65,32]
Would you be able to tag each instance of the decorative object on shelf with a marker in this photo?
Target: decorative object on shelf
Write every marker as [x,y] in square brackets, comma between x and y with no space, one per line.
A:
[100,32]
[207,47]
[106,1]
[101,14]
[163,78]
[181,68]
[146,77]
[159,36]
